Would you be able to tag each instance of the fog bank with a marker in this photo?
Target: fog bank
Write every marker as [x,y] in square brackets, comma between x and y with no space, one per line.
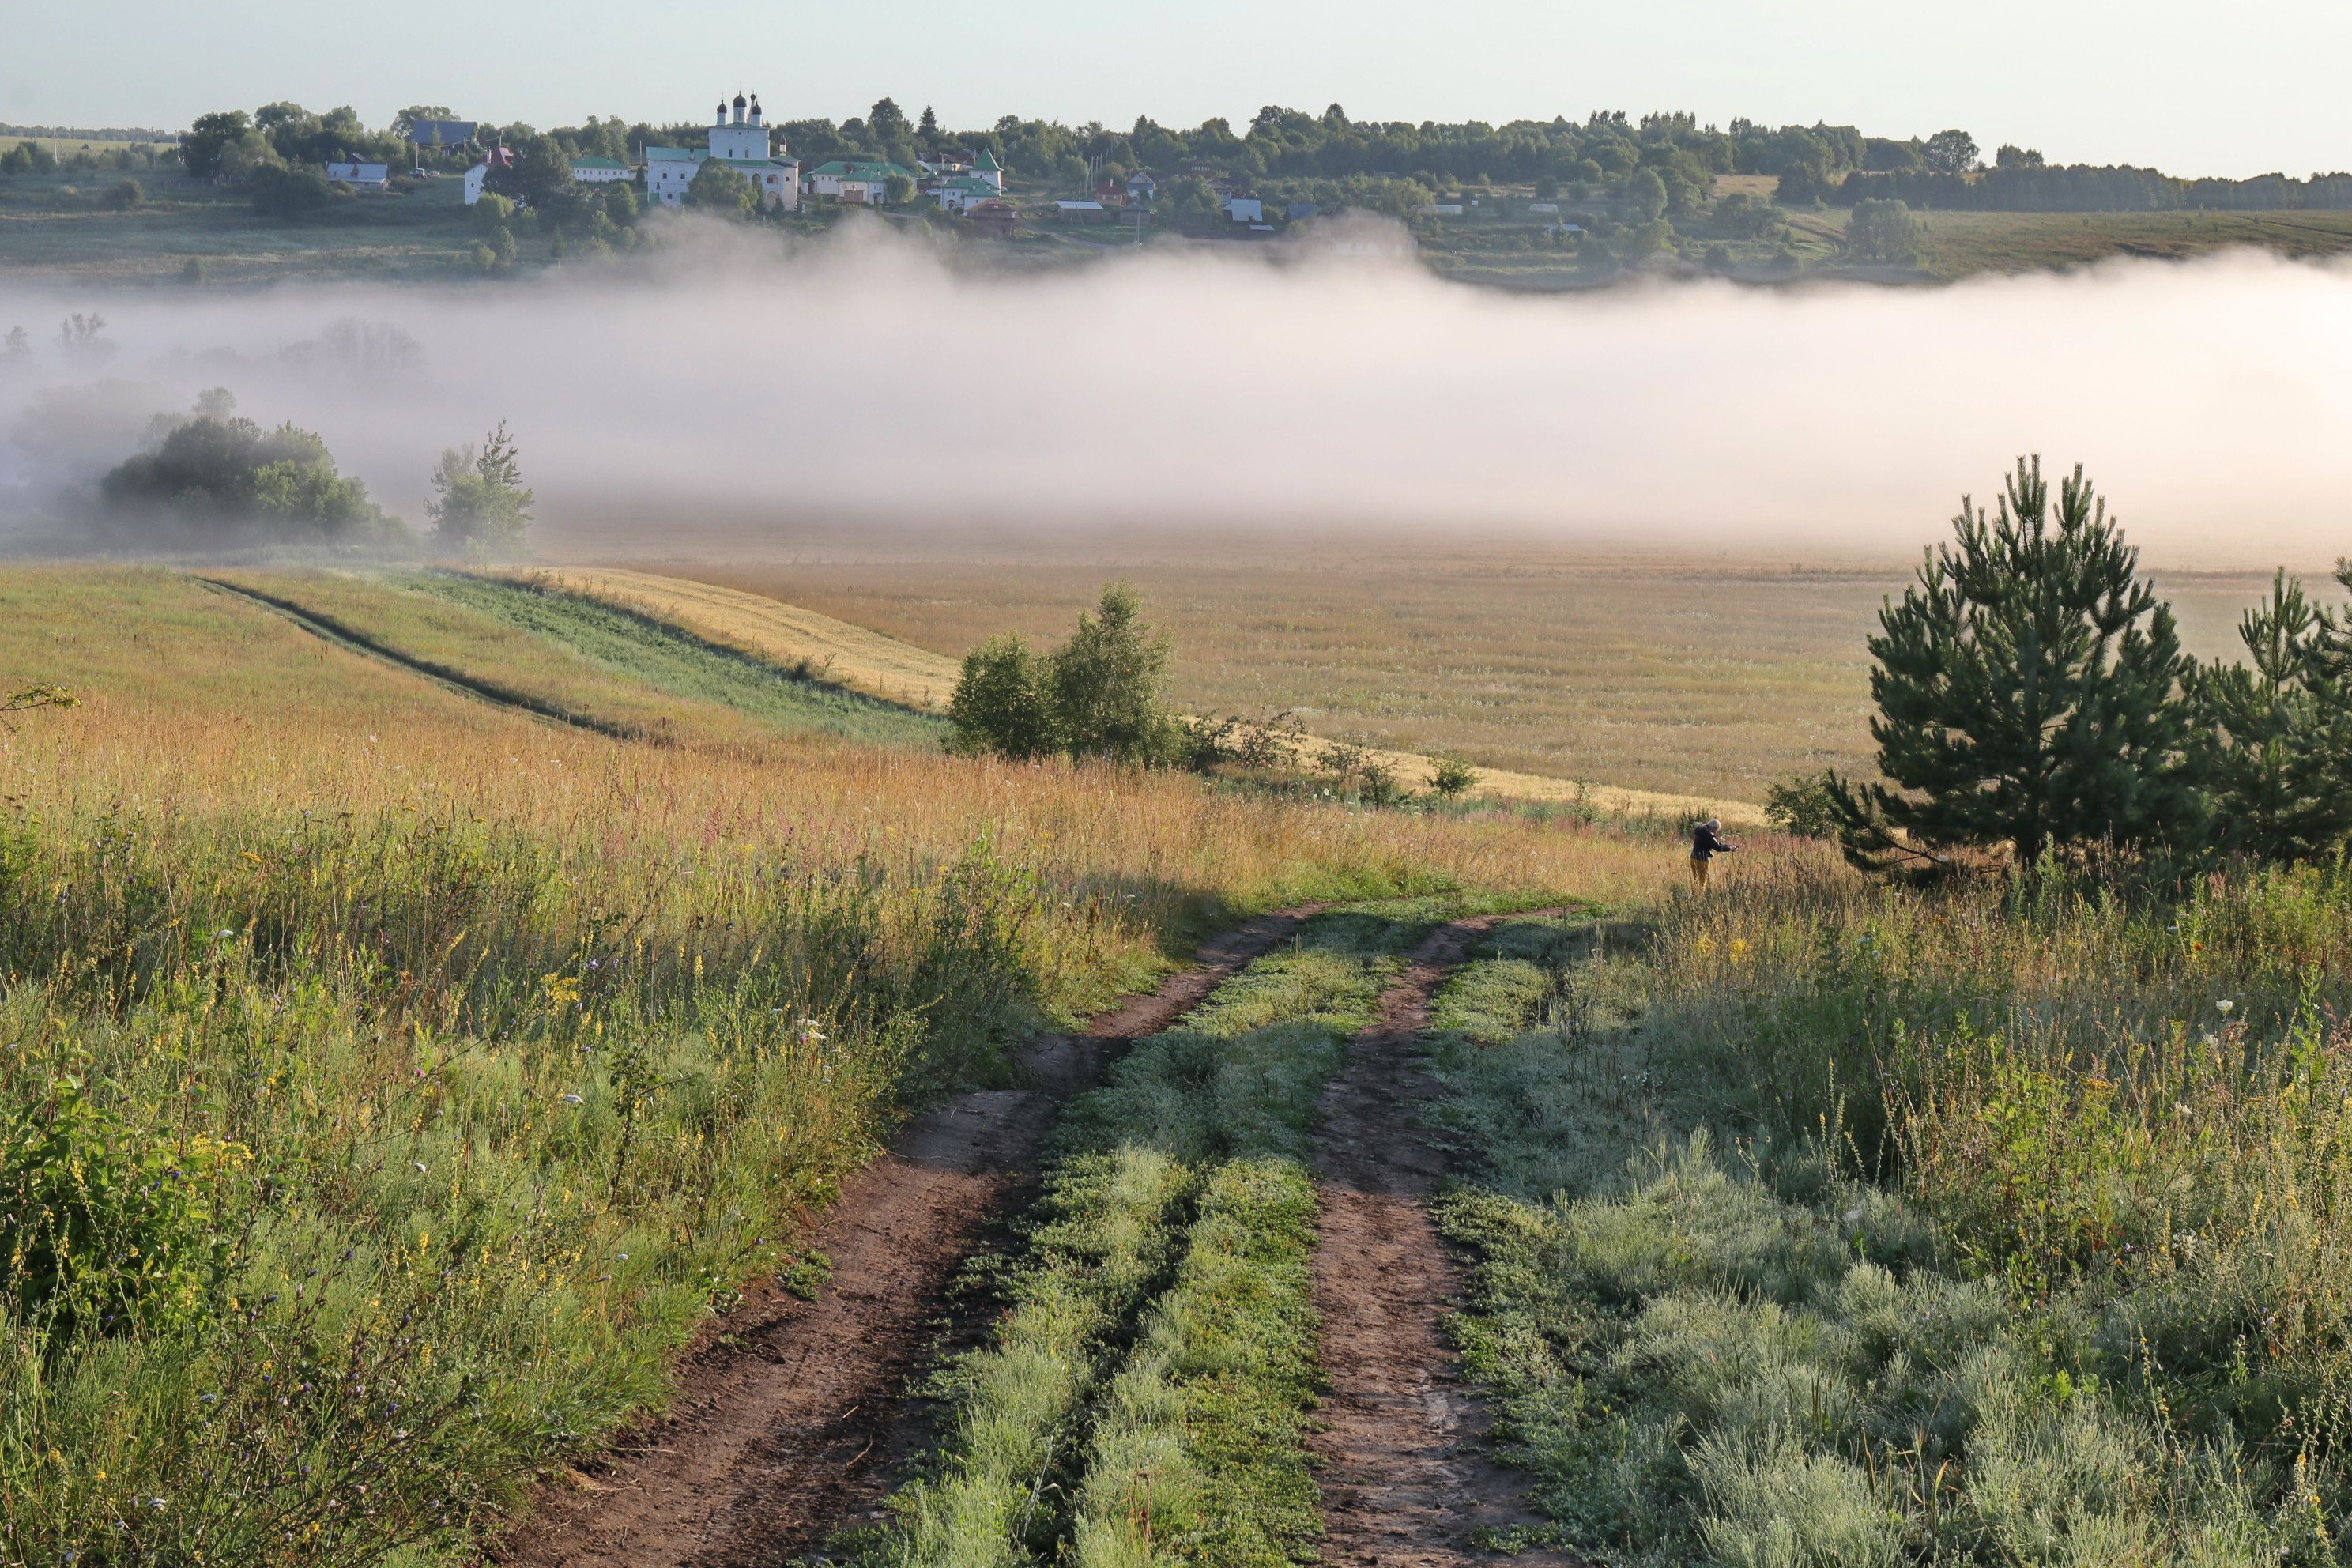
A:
[865,382]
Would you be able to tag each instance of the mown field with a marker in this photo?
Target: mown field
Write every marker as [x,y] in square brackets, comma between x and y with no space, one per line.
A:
[394,1077]
[1688,674]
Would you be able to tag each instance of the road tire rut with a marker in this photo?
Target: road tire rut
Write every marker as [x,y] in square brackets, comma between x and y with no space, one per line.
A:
[1405,1480]
[794,1419]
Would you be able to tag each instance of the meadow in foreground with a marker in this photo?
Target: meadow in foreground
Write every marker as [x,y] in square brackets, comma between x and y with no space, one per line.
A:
[391,1080]
[1840,1224]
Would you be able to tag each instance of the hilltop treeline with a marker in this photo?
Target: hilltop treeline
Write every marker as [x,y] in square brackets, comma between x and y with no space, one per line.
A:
[1598,155]
[2079,187]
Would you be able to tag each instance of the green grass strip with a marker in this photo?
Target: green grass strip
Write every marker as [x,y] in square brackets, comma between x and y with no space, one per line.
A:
[1110,1229]
[1177,1223]
[674,660]
[1199,1452]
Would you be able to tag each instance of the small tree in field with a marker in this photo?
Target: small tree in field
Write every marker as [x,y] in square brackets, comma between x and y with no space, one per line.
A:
[1001,703]
[1109,685]
[1883,232]
[2028,690]
[479,505]
[2277,739]
[1102,694]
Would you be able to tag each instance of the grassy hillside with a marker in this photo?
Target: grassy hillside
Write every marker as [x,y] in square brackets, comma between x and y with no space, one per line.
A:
[902,672]
[1990,1226]
[1687,673]
[1965,244]
[443,1066]
[578,660]
[61,226]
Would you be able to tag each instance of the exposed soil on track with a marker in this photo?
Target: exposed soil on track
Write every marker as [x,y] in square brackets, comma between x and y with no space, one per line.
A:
[794,1419]
[1404,1480]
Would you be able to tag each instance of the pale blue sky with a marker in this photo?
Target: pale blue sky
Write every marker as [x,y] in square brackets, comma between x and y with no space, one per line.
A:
[2191,87]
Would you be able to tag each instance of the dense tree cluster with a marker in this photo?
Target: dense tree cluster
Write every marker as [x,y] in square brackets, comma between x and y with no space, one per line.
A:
[213,478]
[2033,695]
[1103,694]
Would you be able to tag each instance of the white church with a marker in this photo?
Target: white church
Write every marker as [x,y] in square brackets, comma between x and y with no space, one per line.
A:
[742,144]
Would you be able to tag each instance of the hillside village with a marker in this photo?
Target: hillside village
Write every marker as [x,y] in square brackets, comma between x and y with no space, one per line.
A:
[963,182]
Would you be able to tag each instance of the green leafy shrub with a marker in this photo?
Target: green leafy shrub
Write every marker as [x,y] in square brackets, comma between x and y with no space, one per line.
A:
[1000,704]
[1454,775]
[105,1226]
[1103,694]
[1804,805]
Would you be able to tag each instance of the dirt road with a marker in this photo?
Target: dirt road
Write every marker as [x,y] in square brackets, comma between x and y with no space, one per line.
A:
[794,1419]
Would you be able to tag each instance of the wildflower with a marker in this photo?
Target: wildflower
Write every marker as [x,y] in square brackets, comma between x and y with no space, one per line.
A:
[572,1099]
[2226,1006]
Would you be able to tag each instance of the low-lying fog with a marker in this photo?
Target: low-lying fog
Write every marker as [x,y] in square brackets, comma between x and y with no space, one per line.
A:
[864,380]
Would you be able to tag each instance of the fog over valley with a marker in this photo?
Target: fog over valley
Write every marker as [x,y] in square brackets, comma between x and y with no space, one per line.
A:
[865,381]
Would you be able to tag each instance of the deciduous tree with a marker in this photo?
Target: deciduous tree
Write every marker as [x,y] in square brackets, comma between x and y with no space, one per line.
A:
[479,505]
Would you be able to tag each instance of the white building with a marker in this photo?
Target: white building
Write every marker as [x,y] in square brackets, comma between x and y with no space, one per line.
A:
[368,178]
[863,181]
[743,144]
[599,170]
[962,193]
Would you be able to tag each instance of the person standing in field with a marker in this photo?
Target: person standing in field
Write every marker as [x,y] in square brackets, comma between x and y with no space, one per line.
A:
[1706,843]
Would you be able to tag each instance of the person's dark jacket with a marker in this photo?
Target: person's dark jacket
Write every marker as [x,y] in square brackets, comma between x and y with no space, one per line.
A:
[1706,844]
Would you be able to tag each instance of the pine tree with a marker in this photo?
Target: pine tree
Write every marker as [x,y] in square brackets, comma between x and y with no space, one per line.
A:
[2277,747]
[2029,692]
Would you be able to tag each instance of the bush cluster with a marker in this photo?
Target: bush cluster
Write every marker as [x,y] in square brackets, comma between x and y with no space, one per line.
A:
[1101,695]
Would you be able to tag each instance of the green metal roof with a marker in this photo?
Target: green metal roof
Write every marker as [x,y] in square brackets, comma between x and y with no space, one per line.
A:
[987,163]
[861,169]
[598,164]
[670,155]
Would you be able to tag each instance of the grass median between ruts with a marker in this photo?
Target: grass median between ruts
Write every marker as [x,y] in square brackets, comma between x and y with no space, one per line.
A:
[1119,1424]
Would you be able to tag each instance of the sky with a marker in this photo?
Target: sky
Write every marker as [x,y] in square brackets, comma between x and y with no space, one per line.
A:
[2193,89]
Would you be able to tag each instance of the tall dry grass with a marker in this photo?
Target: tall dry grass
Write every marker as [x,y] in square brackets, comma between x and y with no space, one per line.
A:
[388,1082]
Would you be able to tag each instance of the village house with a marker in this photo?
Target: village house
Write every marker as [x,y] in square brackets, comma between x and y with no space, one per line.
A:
[368,179]
[742,144]
[995,220]
[962,193]
[861,181]
[476,177]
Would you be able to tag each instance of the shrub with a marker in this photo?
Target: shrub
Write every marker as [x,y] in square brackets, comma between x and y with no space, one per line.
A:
[1103,694]
[1454,775]
[479,503]
[1883,232]
[1001,703]
[283,193]
[220,475]
[1109,684]
[105,1226]
[1804,805]
[128,196]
